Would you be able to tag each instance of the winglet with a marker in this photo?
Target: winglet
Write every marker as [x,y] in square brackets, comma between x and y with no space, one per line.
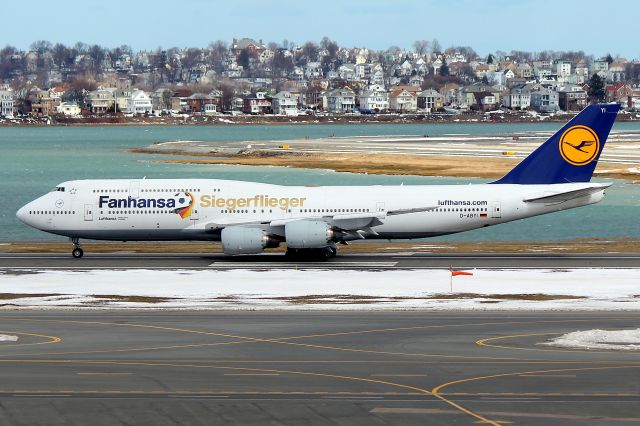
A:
[571,154]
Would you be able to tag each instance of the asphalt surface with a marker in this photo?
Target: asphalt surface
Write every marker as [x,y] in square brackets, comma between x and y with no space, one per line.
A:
[343,261]
[104,367]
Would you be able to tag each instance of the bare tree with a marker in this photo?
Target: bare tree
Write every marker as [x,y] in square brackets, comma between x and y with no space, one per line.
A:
[40,46]
[435,46]
[421,46]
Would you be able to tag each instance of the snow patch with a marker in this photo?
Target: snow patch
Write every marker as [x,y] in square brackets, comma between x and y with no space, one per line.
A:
[8,338]
[621,340]
[550,289]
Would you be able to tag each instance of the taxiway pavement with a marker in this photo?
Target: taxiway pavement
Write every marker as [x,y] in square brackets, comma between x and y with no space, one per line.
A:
[357,368]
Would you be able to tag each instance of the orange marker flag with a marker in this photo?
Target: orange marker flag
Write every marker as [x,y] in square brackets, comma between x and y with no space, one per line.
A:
[456,273]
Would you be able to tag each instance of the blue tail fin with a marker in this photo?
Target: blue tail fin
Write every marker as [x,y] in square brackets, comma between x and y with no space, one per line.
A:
[571,154]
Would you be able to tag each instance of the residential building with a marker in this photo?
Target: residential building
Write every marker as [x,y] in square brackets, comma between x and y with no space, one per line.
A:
[204,103]
[563,69]
[402,100]
[572,98]
[375,99]
[430,101]
[341,100]
[284,103]
[519,98]
[616,72]
[68,108]
[468,96]
[545,100]
[100,101]
[256,104]
[7,103]
[41,103]
[139,103]
[313,70]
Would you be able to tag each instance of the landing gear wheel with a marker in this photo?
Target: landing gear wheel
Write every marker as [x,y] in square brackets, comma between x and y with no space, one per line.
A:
[77,252]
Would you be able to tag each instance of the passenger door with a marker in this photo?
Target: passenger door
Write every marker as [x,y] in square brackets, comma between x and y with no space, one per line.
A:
[88,212]
[495,210]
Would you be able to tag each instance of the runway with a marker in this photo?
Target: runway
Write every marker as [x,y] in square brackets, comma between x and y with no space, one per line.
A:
[343,261]
[366,368]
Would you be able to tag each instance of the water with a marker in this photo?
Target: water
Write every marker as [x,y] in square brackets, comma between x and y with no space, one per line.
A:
[35,159]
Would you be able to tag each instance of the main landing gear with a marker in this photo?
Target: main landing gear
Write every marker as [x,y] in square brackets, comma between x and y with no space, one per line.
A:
[315,254]
[77,251]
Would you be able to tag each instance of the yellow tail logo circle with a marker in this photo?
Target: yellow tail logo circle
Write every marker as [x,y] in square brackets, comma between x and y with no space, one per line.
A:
[579,145]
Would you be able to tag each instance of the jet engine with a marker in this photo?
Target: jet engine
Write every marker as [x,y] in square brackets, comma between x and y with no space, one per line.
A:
[305,234]
[244,240]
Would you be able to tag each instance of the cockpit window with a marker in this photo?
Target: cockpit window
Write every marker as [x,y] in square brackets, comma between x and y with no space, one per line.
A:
[58,189]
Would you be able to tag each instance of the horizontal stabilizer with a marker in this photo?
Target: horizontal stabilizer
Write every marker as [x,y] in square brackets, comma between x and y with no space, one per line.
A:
[561,197]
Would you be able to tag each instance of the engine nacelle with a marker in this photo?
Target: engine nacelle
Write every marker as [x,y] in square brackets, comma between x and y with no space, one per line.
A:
[244,240]
[303,234]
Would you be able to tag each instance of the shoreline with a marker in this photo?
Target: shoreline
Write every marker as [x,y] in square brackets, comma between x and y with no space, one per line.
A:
[470,156]
[273,120]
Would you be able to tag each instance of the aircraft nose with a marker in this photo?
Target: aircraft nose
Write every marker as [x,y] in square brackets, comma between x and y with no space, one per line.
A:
[22,214]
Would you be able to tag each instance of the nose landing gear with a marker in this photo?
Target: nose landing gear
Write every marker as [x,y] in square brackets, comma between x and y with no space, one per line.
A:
[77,251]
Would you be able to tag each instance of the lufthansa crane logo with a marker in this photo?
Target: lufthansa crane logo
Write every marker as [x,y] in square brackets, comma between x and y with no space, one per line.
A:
[579,145]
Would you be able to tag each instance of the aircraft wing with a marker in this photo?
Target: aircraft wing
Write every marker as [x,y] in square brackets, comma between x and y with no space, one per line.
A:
[342,221]
[561,197]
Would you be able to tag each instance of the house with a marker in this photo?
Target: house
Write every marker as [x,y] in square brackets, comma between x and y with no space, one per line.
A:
[256,104]
[563,69]
[616,72]
[254,47]
[429,100]
[599,66]
[572,98]
[139,103]
[121,97]
[161,99]
[402,100]
[545,100]
[313,70]
[284,103]
[41,103]
[617,93]
[468,96]
[376,74]
[375,98]
[524,70]
[68,108]
[450,92]
[485,101]
[519,98]
[100,101]
[347,72]
[7,103]
[203,103]
[341,100]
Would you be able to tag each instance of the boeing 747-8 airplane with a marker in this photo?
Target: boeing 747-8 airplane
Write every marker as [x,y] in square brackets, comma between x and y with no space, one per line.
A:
[249,217]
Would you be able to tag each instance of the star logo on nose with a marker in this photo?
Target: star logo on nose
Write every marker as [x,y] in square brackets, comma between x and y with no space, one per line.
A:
[73,191]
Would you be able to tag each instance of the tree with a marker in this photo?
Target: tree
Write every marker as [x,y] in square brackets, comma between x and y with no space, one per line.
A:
[444,68]
[596,88]
[421,46]
[310,51]
[435,46]
[40,46]
[490,59]
[243,58]
[609,59]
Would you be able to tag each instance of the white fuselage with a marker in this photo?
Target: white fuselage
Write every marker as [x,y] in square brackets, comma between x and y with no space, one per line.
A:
[158,209]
